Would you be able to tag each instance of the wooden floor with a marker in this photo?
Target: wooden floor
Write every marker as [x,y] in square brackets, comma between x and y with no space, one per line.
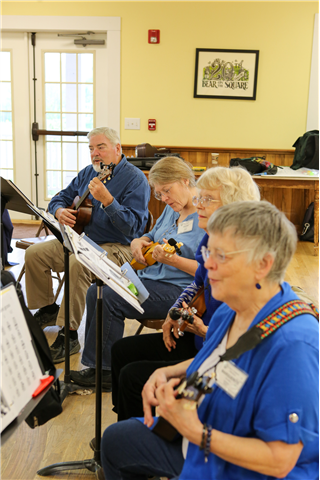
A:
[67,437]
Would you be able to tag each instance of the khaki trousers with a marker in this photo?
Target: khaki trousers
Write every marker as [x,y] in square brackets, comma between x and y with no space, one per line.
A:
[40,259]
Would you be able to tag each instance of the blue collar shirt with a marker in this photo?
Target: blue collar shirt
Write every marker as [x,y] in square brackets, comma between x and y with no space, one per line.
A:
[125,218]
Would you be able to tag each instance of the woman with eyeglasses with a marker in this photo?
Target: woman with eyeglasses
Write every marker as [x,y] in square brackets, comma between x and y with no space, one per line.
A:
[173,182]
[133,359]
[257,413]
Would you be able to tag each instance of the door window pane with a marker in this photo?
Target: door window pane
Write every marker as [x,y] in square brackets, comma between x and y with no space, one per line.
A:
[85,68]
[52,67]
[5,70]
[53,121]
[53,183]
[69,123]
[7,174]
[53,155]
[6,154]
[85,122]
[5,96]
[6,120]
[84,155]
[69,156]
[67,178]
[69,106]
[85,98]
[69,97]
[5,125]
[53,97]
[68,67]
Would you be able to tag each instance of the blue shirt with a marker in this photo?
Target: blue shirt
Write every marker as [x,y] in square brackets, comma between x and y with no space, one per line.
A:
[201,278]
[283,379]
[166,227]
[125,218]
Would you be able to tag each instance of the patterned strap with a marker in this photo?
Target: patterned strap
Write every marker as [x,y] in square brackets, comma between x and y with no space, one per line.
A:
[285,313]
[269,325]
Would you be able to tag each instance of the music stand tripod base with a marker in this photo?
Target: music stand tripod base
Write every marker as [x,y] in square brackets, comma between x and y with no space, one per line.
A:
[93,464]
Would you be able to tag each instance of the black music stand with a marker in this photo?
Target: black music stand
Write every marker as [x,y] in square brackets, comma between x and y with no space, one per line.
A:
[94,463]
[13,199]
[91,464]
[66,385]
[31,405]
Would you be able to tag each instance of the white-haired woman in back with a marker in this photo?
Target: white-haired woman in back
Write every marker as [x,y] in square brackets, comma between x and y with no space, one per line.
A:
[133,359]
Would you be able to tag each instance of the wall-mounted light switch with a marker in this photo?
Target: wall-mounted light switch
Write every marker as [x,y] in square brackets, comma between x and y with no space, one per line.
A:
[132,123]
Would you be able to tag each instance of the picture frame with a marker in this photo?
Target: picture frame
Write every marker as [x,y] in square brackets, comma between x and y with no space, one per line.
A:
[225,73]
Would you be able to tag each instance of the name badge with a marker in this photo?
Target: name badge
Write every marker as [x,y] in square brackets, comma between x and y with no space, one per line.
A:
[184,227]
[230,378]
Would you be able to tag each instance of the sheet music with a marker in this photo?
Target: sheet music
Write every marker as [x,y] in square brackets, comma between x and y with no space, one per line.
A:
[20,369]
[47,216]
[95,259]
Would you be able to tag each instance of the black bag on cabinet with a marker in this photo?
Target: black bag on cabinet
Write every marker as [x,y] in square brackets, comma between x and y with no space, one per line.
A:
[307,151]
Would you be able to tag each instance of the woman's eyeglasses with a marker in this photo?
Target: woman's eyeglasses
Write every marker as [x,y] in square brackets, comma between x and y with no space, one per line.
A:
[204,201]
[219,255]
[164,193]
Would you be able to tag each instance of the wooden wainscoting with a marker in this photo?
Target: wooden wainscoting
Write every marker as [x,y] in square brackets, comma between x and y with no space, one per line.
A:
[202,156]
[291,200]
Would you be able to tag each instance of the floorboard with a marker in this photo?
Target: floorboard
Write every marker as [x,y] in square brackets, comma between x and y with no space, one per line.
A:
[67,437]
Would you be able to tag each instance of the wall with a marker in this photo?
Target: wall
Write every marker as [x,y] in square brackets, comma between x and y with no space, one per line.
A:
[157,80]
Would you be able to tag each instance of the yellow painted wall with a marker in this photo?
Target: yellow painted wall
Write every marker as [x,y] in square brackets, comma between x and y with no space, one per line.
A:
[157,80]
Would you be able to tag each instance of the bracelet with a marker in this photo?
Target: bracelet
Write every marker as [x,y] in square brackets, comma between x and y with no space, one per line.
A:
[204,437]
[208,442]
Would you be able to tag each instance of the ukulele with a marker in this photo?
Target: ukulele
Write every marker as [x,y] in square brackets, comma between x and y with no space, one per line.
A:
[191,388]
[170,248]
[83,205]
[196,306]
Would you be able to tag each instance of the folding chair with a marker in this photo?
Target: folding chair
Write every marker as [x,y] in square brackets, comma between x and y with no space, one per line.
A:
[27,242]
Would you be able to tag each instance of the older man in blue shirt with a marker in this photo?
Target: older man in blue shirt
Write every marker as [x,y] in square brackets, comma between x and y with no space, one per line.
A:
[119,214]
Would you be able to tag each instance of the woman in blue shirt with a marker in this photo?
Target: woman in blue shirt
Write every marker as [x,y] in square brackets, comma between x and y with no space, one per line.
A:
[134,359]
[173,181]
[261,420]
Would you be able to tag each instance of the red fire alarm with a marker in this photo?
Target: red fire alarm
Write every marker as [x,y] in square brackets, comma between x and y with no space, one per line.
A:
[151,124]
[154,36]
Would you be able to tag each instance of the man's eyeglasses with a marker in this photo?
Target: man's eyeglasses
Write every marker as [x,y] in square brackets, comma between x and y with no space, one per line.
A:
[219,255]
[205,201]
[164,193]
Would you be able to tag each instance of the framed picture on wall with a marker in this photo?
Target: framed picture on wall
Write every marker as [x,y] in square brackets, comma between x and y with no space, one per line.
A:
[221,73]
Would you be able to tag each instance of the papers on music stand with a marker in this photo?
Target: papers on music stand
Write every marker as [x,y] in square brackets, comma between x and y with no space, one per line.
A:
[20,369]
[50,221]
[95,259]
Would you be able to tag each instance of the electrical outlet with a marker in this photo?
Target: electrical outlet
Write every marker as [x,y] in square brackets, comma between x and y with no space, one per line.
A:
[132,123]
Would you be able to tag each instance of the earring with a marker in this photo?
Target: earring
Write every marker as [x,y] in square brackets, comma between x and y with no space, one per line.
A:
[258,286]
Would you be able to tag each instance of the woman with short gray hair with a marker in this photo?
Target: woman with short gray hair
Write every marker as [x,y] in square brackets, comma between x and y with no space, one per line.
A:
[261,229]
[260,358]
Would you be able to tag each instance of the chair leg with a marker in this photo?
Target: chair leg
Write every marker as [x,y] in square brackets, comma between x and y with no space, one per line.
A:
[23,269]
[139,329]
[61,282]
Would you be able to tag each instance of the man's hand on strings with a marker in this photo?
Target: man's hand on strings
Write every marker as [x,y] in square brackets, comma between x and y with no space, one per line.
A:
[66,216]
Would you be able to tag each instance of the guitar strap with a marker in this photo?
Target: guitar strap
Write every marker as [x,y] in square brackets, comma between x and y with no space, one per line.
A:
[268,326]
[248,341]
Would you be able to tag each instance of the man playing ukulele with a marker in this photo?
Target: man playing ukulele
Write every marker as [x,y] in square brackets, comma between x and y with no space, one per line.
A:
[119,214]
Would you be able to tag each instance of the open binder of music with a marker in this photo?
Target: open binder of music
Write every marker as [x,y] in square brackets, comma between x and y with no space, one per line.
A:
[21,374]
[122,280]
